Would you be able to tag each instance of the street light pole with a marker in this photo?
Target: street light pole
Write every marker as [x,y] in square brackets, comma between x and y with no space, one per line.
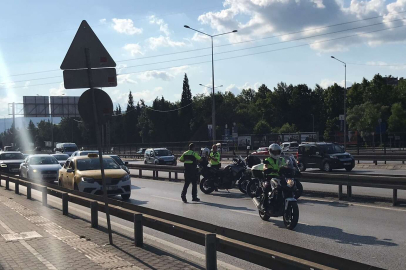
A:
[213,113]
[345,102]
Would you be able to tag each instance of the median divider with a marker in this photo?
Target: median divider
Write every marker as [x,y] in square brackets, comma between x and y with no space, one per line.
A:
[258,250]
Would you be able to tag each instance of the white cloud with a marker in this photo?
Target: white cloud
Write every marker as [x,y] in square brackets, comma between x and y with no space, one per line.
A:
[163,27]
[102,21]
[119,97]
[200,37]
[262,18]
[161,41]
[134,49]
[325,83]
[155,74]
[120,68]
[148,95]
[386,65]
[58,91]
[26,84]
[7,85]
[179,70]
[237,89]
[125,78]
[125,26]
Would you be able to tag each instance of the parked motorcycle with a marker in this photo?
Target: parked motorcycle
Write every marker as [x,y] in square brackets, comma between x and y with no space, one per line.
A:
[247,176]
[253,184]
[280,199]
[215,179]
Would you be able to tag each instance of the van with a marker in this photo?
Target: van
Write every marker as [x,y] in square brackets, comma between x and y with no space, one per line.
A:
[66,148]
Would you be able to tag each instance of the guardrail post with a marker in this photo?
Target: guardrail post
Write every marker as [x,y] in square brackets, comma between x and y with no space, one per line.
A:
[7,183]
[44,196]
[211,253]
[138,231]
[29,191]
[156,174]
[170,176]
[349,191]
[140,173]
[340,192]
[176,176]
[94,212]
[65,201]
[0,179]
[376,162]
[395,197]
[17,187]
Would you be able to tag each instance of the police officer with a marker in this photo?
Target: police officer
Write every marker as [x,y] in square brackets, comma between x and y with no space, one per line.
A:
[215,158]
[190,159]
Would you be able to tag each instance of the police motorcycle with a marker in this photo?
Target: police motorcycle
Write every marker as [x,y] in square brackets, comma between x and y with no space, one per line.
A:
[223,178]
[247,176]
[280,199]
[253,184]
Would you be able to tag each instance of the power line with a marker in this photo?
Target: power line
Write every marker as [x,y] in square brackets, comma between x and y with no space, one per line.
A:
[234,43]
[280,49]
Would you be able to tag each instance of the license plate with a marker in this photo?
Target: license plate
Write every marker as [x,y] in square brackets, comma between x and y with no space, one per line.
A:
[14,170]
[346,164]
[112,187]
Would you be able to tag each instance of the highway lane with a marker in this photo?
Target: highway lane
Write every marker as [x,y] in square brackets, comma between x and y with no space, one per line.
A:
[363,191]
[365,233]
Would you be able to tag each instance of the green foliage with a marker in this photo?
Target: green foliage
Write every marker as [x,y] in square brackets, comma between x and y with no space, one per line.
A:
[364,117]
[262,127]
[397,120]
[287,128]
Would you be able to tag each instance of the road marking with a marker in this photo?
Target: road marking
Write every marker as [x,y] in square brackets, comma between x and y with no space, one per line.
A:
[356,204]
[151,238]
[30,248]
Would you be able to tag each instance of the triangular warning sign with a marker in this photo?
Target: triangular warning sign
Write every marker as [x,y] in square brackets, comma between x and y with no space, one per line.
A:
[85,38]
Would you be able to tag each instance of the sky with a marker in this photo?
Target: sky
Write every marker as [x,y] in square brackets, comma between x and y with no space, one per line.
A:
[277,41]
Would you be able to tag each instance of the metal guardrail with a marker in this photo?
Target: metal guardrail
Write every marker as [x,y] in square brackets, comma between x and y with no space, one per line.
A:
[258,250]
[349,180]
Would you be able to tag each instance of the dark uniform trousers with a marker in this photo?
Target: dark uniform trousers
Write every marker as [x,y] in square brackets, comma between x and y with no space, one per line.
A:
[190,177]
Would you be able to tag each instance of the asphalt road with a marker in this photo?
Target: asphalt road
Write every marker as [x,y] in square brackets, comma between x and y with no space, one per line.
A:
[366,233]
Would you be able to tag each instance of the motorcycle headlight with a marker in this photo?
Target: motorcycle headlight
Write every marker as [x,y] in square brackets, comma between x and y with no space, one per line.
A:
[125,178]
[290,182]
[88,179]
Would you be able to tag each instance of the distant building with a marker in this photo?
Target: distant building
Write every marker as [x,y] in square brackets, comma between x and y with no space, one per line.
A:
[391,80]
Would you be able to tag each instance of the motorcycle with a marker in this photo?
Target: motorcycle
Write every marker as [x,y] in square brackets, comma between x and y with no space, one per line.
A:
[214,179]
[280,199]
[253,184]
[246,177]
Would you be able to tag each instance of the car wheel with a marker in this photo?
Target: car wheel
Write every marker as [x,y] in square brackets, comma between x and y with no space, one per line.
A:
[125,197]
[327,167]
[348,169]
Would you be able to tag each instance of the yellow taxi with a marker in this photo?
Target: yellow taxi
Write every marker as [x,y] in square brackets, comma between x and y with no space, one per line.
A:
[83,173]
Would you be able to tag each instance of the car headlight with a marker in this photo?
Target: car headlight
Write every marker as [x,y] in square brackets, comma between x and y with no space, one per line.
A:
[290,182]
[125,178]
[34,171]
[3,165]
[335,157]
[88,179]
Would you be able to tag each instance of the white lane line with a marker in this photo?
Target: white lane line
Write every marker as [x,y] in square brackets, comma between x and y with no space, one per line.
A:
[30,249]
[237,211]
[153,238]
[355,204]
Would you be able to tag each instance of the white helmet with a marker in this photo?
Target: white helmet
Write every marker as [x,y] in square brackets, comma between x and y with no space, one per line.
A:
[275,150]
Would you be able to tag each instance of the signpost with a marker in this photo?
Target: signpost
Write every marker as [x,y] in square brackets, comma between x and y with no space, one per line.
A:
[86,53]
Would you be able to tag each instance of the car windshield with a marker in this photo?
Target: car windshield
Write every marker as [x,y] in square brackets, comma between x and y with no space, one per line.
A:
[94,164]
[162,153]
[9,156]
[118,160]
[43,160]
[61,157]
[332,149]
[70,149]
[85,153]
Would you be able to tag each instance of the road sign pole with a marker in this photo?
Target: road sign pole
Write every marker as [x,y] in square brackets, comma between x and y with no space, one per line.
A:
[98,135]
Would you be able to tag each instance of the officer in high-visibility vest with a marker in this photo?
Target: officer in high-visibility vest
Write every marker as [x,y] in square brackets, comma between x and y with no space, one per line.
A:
[215,158]
[190,159]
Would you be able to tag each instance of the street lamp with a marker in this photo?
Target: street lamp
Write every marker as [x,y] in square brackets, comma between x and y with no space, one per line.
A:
[213,113]
[345,99]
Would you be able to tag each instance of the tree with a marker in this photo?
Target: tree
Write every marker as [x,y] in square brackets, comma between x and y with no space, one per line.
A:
[363,118]
[397,121]
[287,128]
[186,111]
[262,127]
[130,119]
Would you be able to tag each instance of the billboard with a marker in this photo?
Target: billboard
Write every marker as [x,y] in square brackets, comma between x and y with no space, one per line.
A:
[64,106]
[36,106]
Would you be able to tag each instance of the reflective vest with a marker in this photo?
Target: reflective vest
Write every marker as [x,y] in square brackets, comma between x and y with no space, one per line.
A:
[189,157]
[274,165]
[216,156]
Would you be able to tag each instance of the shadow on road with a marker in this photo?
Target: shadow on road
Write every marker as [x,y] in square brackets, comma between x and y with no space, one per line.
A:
[229,195]
[334,204]
[136,202]
[222,206]
[339,236]
[135,187]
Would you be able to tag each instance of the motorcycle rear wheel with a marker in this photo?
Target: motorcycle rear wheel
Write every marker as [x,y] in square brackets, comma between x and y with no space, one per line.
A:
[205,186]
[291,216]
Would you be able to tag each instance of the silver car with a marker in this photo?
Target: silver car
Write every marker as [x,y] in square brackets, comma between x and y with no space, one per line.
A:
[40,167]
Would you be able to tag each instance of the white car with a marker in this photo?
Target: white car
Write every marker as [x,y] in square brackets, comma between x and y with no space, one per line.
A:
[40,167]
[290,146]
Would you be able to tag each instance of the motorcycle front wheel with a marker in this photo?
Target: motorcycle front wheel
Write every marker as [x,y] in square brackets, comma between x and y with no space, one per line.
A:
[264,215]
[205,186]
[299,190]
[291,216]
[242,186]
[252,188]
